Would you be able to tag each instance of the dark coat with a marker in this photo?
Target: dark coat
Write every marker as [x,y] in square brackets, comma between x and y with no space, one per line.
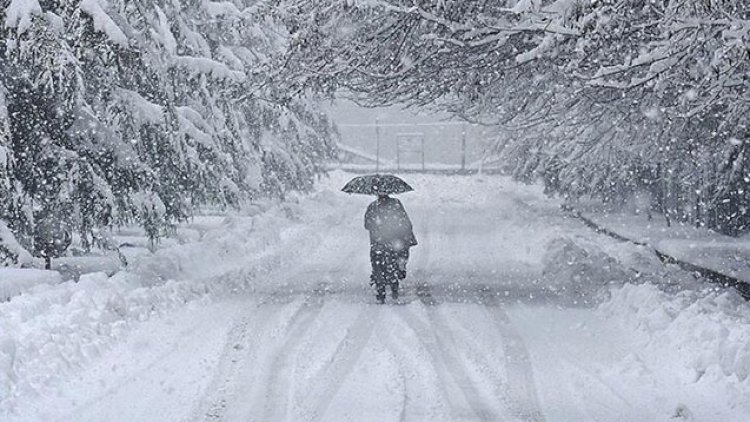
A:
[389,225]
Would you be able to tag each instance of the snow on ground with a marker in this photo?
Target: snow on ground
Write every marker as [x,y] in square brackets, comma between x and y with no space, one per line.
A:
[717,323]
[51,332]
[641,355]
[699,246]
[14,281]
[511,311]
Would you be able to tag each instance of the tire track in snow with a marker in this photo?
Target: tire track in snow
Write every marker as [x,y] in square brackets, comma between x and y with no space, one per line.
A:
[443,350]
[128,380]
[404,399]
[446,379]
[275,399]
[237,349]
[591,378]
[213,408]
[524,399]
[386,335]
[348,352]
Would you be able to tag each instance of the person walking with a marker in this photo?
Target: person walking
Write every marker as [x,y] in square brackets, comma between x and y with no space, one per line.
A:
[391,236]
[391,233]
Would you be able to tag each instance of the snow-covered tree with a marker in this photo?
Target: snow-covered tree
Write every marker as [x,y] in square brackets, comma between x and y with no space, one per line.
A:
[138,111]
[598,98]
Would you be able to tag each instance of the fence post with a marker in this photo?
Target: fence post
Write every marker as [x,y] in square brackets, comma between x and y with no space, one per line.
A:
[377,145]
[423,154]
[398,154]
[463,147]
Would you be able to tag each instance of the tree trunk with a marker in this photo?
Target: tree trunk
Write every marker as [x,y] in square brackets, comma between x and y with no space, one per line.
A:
[697,211]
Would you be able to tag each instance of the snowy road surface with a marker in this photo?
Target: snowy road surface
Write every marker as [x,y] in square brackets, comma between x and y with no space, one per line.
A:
[475,336]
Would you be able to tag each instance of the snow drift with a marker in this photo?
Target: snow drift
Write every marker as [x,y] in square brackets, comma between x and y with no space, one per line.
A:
[700,333]
[52,331]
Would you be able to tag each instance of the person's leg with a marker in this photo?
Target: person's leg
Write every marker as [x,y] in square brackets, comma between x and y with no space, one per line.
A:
[380,292]
[391,258]
[378,276]
[403,259]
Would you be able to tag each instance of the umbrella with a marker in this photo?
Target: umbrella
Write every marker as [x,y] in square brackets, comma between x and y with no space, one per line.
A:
[377,184]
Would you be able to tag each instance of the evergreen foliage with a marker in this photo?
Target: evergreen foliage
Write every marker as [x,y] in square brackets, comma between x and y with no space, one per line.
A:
[118,111]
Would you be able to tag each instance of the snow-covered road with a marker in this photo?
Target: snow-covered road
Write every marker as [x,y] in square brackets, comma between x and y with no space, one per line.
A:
[486,329]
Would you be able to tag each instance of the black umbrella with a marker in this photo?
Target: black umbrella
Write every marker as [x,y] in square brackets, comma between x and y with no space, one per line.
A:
[377,184]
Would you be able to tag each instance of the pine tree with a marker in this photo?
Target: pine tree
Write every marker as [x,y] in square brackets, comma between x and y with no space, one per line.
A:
[123,112]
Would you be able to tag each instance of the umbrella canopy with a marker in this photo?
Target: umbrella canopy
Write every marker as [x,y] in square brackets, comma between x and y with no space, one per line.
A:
[377,184]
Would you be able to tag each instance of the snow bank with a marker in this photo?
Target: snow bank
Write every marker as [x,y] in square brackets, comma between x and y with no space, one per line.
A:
[13,281]
[53,331]
[102,21]
[580,271]
[702,335]
[19,13]
[72,267]
[698,246]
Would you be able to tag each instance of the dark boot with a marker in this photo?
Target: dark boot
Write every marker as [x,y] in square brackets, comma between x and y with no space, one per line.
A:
[394,290]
